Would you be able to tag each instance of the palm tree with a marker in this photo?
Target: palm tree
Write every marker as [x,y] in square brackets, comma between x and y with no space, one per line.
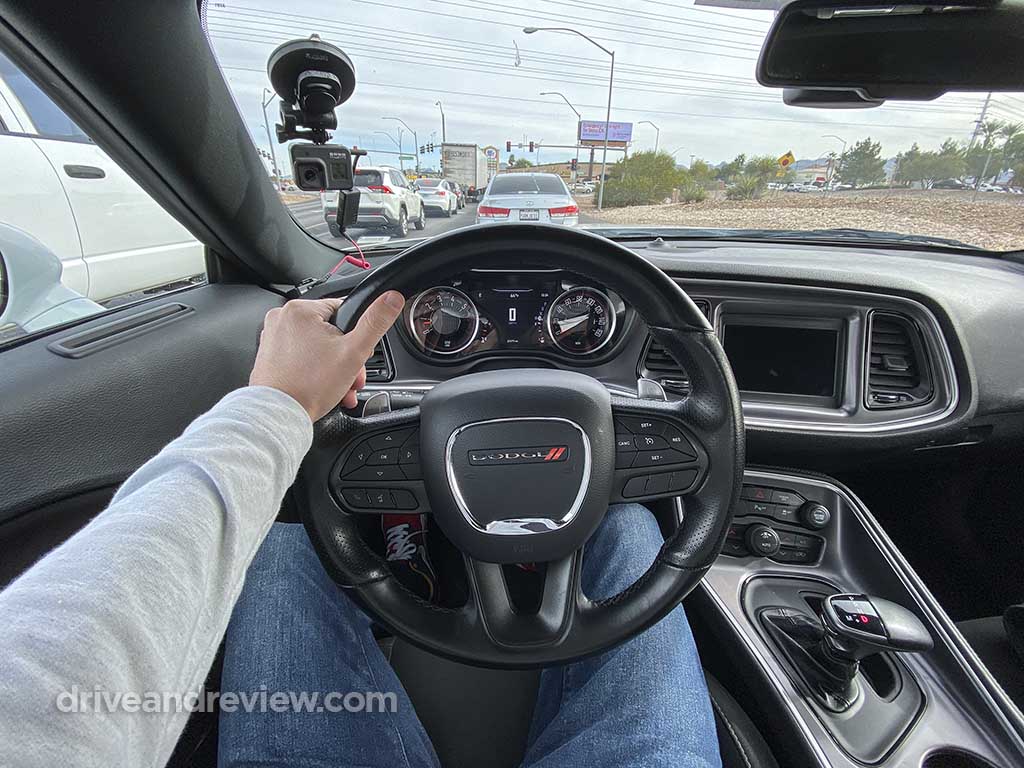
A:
[989,129]
[1007,131]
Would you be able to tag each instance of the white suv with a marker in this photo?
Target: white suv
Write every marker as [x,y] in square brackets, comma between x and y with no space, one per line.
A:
[386,199]
[110,236]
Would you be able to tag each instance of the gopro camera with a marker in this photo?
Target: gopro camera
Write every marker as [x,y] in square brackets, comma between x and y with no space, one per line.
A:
[319,167]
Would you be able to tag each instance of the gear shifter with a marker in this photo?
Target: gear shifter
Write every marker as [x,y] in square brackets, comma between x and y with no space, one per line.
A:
[827,650]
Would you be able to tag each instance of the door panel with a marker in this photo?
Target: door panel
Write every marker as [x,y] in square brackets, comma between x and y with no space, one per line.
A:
[81,426]
[128,240]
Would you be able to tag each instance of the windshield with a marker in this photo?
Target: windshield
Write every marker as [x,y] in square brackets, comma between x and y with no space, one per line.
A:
[461,92]
[367,178]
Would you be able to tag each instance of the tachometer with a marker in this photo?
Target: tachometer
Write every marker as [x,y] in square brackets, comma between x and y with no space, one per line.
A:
[581,321]
[443,321]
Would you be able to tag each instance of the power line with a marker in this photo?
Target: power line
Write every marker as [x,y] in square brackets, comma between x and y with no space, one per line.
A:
[646,111]
[706,10]
[657,17]
[754,93]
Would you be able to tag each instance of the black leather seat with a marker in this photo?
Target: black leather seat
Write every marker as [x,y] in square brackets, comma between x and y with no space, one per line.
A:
[468,710]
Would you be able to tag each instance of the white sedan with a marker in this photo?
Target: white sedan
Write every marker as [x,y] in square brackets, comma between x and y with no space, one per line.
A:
[531,197]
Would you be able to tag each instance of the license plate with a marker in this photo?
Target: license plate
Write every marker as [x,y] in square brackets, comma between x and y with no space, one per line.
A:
[529,214]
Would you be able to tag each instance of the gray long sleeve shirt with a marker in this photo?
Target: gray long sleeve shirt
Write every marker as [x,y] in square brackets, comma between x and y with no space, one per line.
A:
[139,599]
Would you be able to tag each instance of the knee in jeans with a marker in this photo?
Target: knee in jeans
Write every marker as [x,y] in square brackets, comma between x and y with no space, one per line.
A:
[631,528]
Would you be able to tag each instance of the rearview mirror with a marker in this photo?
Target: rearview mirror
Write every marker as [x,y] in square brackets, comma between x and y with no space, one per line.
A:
[894,50]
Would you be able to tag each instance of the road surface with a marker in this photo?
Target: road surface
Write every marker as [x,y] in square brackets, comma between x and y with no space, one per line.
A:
[310,215]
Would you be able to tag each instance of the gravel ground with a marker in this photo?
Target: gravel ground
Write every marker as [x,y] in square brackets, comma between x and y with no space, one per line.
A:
[994,221]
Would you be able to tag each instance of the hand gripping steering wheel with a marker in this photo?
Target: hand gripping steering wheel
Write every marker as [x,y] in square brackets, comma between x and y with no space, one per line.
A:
[520,465]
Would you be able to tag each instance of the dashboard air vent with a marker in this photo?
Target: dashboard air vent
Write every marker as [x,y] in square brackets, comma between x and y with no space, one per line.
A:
[658,365]
[379,366]
[898,373]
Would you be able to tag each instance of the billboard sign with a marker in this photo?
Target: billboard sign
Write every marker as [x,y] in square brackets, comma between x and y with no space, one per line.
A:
[593,130]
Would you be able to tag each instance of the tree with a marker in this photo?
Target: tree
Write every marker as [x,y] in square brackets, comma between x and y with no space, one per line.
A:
[761,167]
[643,178]
[522,162]
[928,167]
[729,171]
[701,173]
[1009,133]
[863,164]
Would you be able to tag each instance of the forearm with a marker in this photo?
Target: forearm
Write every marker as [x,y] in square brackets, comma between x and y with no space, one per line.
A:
[139,599]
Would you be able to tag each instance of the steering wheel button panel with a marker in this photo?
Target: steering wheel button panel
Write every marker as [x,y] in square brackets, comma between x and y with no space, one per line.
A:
[390,439]
[624,443]
[386,456]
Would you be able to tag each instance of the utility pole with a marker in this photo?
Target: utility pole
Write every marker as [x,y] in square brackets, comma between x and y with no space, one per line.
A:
[579,117]
[978,123]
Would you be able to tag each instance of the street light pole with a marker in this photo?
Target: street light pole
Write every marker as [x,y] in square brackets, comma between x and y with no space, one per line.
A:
[608,111]
[266,125]
[657,133]
[398,144]
[579,117]
[415,139]
[444,135]
[842,154]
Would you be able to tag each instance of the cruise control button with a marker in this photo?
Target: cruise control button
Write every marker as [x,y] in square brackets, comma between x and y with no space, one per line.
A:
[658,483]
[659,458]
[624,460]
[356,497]
[682,480]
[678,441]
[642,426]
[403,499]
[649,442]
[386,456]
[786,498]
[390,439]
[377,474]
[624,442]
[380,498]
[635,487]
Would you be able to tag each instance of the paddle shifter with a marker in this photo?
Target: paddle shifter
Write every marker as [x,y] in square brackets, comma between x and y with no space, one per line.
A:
[827,649]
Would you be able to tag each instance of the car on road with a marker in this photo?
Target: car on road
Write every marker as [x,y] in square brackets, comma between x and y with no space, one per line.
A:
[387,200]
[439,195]
[540,197]
[583,187]
[950,184]
[111,237]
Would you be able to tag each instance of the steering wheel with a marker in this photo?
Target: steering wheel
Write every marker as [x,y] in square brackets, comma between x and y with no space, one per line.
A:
[519,466]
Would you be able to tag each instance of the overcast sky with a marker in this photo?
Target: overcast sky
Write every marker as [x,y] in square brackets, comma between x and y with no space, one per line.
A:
[688,69]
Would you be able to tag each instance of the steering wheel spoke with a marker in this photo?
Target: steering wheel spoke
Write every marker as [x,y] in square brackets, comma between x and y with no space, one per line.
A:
[656,455]
[378,469]
[504,626]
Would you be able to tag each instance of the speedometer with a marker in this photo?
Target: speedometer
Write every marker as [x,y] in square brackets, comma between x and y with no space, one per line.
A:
[443,321]
[581,321]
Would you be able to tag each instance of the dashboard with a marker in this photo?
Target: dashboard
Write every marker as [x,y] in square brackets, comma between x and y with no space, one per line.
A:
[538,311]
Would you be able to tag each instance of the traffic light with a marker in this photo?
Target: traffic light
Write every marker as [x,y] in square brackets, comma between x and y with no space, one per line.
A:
[531,146]
[423,150]
[572,164]
[508,146]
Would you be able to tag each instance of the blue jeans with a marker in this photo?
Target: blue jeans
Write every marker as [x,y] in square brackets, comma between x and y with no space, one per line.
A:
[644,703]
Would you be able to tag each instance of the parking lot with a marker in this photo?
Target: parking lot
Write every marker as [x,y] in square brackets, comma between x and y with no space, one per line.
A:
[309,213]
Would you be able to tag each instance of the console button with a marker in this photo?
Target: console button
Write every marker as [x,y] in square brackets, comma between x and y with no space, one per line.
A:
[377,474]
[794,556]
[642,425]
[409,453]
[403,499]
[783,514]
[754,508]
[786,498]
[682,480]
[678,441]
[649,442]
[762,540]
[734,548]
[624,442]
[385,456]
[380,498]
[390,439]
[635,487]
[658,483]
[815,515]
[356,497]
[756,493]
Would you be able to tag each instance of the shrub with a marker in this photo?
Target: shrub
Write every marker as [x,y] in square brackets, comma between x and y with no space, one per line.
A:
[747,187]
[692,192]
[645,178]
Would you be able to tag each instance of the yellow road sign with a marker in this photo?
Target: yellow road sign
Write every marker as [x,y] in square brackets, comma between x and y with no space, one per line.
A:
[787,160]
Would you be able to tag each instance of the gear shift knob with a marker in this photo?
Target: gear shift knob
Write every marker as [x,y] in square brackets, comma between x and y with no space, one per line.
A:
[859,625]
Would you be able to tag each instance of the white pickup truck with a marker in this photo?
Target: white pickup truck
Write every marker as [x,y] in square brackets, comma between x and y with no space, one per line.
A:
[110,236]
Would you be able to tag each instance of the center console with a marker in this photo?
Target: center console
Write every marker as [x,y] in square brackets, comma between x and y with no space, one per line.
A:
[869,667]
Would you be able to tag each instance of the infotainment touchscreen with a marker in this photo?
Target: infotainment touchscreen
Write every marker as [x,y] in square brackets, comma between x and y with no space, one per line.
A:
[783,359]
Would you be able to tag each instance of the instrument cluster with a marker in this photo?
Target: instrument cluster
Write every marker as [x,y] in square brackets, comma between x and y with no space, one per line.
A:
[527,311]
